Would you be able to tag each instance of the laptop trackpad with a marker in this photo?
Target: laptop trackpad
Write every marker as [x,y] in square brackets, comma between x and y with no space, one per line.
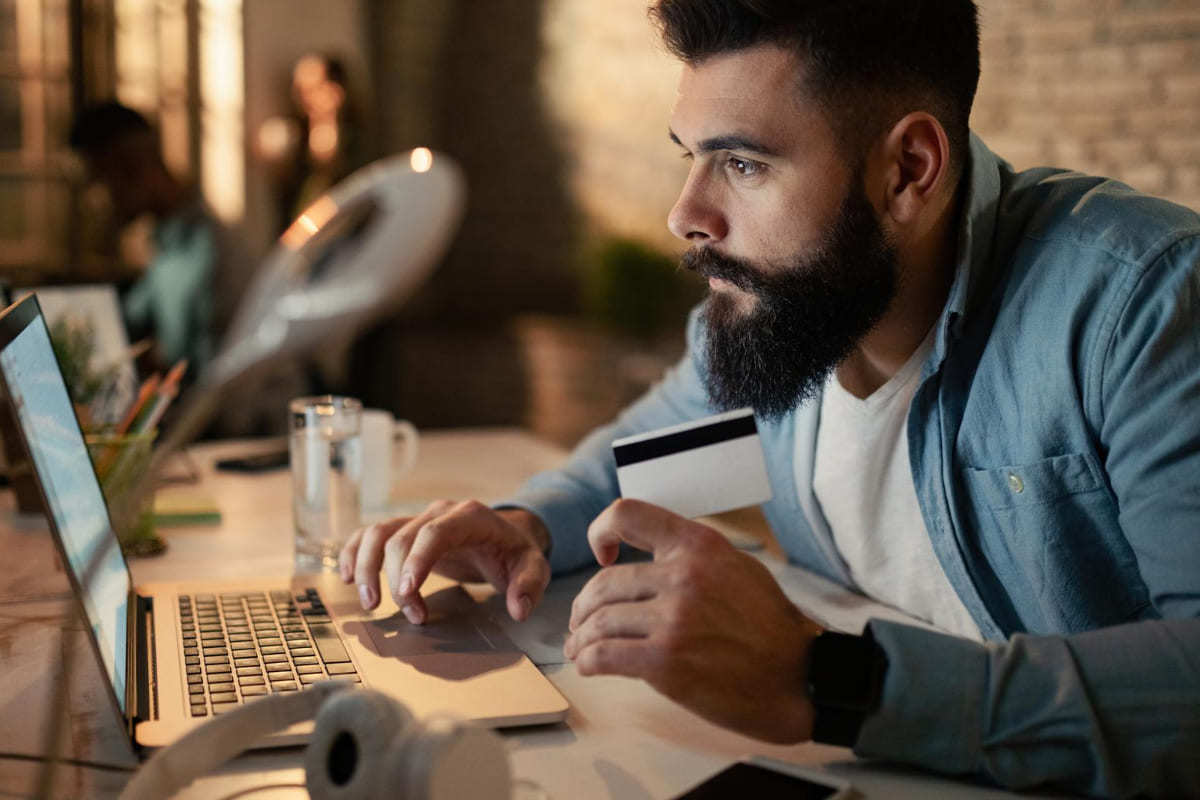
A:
[455,624]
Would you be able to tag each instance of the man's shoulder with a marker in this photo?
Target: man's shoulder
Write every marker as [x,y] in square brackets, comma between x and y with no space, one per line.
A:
[1091,216]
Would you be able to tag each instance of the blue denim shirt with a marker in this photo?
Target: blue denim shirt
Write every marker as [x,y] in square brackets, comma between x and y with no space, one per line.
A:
[1055,450]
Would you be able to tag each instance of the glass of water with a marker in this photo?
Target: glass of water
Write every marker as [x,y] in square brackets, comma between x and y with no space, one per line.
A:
[325,449]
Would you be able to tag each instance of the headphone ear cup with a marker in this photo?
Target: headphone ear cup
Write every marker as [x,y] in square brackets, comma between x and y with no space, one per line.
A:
[352,745]
[446,759]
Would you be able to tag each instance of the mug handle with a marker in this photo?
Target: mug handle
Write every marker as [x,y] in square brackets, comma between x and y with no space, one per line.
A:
[408,432]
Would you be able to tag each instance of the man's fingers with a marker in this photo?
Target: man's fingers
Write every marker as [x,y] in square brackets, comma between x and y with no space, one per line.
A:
[632,658]
[434,538]
[527,582]
[644,525]
[369,557]
[616,621]
[626,583]
[347,556]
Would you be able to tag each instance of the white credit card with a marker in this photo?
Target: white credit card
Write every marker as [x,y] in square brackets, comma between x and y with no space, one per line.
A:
[696,468]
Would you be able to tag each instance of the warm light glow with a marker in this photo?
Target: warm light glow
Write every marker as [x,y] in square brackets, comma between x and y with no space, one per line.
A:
[308,223]
[422,159]
[223,167]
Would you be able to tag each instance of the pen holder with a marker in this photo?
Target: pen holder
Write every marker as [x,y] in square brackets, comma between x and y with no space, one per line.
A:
[121,462]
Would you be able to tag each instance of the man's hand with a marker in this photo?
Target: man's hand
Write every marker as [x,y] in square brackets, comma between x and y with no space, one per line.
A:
[703,623]
[466,541]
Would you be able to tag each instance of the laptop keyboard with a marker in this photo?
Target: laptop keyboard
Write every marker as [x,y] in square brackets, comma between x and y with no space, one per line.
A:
[242,645]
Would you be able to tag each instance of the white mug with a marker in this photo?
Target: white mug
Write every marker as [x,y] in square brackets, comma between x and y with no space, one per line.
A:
[381,464]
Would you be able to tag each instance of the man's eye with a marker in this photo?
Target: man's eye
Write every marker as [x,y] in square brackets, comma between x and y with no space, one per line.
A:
[745,167]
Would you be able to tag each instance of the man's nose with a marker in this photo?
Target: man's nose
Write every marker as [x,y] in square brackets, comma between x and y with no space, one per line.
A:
[696,216]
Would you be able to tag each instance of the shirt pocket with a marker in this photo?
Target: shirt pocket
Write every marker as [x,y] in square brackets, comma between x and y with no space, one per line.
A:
[1050,530]
[1042,482]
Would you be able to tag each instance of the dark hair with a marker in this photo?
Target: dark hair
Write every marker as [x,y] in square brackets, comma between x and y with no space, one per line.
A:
[98,127]
[867,62]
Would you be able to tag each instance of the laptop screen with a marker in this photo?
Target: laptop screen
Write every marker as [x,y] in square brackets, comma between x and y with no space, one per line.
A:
[64,470]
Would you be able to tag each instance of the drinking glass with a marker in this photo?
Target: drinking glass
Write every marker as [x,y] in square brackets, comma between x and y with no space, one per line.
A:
[325,449]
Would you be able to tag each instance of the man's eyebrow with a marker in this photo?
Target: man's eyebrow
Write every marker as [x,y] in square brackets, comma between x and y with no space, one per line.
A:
[730,141]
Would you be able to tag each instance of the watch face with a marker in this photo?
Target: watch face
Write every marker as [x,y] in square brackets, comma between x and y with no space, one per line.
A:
[846,671]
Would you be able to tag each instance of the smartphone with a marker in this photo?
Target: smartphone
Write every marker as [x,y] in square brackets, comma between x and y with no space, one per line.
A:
[768,779]
[261,462]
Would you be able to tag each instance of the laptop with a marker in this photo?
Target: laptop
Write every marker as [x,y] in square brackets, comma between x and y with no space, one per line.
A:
[177,654]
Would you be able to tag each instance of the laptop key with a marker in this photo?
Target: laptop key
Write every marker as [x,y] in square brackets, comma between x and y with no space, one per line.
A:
[199,710]
[253,691]
[272,651]
[328,643]
[245,662]
[284,686]
[195,677]
[251,680]
[223,697]
[340,669]
[218,669]
[300,660]
[308,669]
[196,688]
[279,675]
[244,671]
[312,678]
[302,651]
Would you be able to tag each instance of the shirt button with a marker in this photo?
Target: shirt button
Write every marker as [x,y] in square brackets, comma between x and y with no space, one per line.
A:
[1015,483]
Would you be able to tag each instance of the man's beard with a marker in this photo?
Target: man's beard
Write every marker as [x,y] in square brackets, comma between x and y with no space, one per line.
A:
[807,316]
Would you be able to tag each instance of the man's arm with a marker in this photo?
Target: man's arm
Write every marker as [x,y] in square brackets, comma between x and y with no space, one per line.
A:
[1113,712]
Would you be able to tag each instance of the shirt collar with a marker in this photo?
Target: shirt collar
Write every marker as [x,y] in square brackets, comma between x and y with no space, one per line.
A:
[976,229]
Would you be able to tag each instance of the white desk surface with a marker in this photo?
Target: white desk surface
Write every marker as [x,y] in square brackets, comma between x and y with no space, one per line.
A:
[621,739]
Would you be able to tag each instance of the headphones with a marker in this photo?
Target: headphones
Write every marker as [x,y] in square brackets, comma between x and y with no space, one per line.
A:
[365,746]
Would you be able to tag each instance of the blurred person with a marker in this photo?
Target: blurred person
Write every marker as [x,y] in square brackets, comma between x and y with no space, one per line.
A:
[979,397]
[197,266]
[319,143]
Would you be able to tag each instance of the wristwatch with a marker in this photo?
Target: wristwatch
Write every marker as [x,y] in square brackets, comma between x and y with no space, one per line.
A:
[845,684]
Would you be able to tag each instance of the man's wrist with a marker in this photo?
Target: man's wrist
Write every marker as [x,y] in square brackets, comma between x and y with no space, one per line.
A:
[845,683]
[530,523]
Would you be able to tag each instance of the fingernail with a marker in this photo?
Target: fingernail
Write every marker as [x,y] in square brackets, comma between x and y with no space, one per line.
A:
[567,648]
[366,596]
[413,614]
[526,606]
[406,583]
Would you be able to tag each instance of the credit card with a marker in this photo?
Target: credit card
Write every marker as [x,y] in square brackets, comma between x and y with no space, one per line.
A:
[696,468]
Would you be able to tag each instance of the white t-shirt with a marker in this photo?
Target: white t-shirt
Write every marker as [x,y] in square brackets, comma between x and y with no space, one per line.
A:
[863,481]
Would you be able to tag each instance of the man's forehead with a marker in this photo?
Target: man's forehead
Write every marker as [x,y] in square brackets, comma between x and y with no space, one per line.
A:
[755,90]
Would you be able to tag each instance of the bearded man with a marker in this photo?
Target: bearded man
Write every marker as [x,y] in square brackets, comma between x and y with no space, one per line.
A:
[979,395]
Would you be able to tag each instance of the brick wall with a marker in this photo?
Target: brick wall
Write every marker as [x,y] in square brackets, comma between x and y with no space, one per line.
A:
[1104,86]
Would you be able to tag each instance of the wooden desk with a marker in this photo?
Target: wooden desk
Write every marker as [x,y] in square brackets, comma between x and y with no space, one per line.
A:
[621,739]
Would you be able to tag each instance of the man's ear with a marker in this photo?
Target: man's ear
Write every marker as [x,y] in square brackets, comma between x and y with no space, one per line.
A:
[916,157]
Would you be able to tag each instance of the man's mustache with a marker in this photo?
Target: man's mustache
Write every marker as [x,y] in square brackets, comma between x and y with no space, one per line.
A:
[708,263]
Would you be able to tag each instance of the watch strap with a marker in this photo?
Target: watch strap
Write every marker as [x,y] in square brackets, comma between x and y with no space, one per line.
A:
[845,684]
